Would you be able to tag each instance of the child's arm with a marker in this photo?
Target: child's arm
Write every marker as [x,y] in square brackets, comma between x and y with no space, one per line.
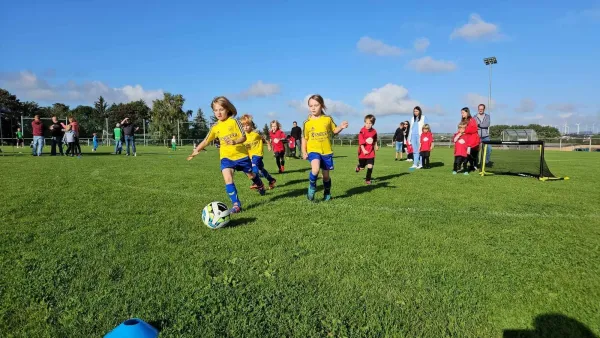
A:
[304,153]
[198,149]
[341,127]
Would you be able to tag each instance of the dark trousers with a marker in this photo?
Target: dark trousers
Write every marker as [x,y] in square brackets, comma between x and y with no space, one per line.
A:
[56,142]
[425,158]
[71,148]
[472,158]
[77,146]
[459,162]
[280,159]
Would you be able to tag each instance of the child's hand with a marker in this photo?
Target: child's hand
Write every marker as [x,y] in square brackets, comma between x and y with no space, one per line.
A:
[305,156]
[365,152]
[376,147]
[230,142]
[194,154]
[344,125]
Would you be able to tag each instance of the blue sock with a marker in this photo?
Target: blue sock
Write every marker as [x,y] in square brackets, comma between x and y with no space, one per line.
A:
[312,179]
[256,180]
[266,175]
[327,186]
[255,170]
[232,193]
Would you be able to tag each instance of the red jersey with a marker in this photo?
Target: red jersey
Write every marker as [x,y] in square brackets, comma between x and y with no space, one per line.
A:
[280,136]
[472,134]
[409,149]
[38,128]
[460,144]
[426,141]
[368,139]
[292,142]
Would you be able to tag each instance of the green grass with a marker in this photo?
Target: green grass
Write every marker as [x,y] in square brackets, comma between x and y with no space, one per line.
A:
[87,243]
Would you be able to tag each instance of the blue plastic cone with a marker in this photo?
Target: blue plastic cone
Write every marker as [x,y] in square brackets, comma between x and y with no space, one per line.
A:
[133,328]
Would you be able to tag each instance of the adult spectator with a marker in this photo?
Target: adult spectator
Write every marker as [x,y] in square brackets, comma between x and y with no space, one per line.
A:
[399,140]
[296,133]
[129,130]
[75,128]
[56,131]
[38,135]
[483,125]
[414,135]
[473,140]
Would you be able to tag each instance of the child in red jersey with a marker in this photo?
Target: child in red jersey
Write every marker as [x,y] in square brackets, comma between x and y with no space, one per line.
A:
[292,145]
[277,139]
[426,146]
[367,145]
[461,143]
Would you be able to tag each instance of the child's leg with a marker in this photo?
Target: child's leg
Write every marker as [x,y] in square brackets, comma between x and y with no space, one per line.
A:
[265,173]
[282,159]
[278,161]
[315,166]
[230,187]
[326,184]
[456,163]
[369,172]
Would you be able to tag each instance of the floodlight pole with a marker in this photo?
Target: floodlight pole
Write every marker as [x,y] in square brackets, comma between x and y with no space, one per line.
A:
[489,62]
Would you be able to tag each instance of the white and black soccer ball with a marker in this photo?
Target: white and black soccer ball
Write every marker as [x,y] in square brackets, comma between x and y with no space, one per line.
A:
[215,215]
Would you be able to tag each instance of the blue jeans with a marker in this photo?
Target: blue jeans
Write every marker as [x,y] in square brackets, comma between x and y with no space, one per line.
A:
[130,141]
[38,144]
[118,146]
[415,140]
[489,149]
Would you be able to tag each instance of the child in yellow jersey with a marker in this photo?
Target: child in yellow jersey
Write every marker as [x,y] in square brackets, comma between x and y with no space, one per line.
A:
[233,153]
[316,145]
[254,144]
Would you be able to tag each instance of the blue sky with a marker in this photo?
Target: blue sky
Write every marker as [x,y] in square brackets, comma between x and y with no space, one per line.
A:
[380,57]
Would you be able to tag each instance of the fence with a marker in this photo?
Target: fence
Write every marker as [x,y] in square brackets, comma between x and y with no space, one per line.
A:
[441,140]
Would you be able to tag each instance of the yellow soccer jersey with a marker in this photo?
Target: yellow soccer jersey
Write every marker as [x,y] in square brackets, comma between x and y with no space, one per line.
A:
[230,129]
[318,132]
[254,144]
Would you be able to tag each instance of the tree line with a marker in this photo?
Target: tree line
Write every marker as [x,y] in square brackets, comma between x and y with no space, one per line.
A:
[160,122]
[541,131]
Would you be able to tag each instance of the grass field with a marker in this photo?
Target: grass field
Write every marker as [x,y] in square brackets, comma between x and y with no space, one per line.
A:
[87,243]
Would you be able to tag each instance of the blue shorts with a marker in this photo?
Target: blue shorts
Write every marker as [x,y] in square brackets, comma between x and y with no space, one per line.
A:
[243,164]
[257,161]
[326,160]
[399,147]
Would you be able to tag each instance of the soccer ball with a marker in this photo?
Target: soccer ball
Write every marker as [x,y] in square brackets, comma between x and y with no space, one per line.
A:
[215,215]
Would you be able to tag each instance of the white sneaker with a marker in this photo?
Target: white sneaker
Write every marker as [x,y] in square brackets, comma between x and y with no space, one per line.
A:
[409,160]
[413,166]
[419,166]
[134,154]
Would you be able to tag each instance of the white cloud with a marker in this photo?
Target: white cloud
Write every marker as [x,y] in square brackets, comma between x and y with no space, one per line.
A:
[368,45]
[526,106]
[334,107]
[390,99]
[28,86]
[562,107]
[260,89]
[421,44]
[433,110]
[427,64]
[477,29]
[565,115]
[272,115]
[473,100]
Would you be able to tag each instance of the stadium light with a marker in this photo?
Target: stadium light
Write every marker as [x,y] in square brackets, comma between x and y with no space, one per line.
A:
[489,62]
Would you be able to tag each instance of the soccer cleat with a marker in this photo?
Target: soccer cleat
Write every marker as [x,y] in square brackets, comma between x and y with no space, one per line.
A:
[235,209]
[454,173]
[254,186]
[327,197]
[466,173]
[357,169]
[272,184]
[261,190]
[396,159]
[368,182]
[311,193]
[282,168]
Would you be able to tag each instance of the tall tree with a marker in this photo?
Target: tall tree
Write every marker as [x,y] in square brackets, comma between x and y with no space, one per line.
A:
[166,114]
[60,110]
[137,112]
[266,131]
[10,113]
[102,109]
[199,128]
[89,120]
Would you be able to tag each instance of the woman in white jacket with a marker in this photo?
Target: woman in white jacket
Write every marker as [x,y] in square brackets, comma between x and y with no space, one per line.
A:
[414,135]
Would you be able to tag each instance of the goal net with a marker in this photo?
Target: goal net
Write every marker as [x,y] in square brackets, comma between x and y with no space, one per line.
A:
[520,158]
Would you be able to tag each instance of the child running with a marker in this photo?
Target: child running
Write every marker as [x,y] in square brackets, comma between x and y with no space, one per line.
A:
[277,137]
[460,148]
[426,146]
[254,144]
[20,140]
[233,153]
[316,145]
[367,145]
[94,142]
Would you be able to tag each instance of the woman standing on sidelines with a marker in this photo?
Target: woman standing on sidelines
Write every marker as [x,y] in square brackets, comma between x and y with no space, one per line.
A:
[414,135]
[472,136]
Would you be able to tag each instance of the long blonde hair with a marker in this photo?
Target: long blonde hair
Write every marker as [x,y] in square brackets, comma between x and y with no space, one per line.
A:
[225,103]
[277,123]
[246,119]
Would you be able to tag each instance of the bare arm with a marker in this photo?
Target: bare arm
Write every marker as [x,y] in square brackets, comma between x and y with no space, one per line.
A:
[304,153]
[341,127]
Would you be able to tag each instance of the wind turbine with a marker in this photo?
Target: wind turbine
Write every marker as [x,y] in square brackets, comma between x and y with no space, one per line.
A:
[566,128]
[593,125]
[577,124]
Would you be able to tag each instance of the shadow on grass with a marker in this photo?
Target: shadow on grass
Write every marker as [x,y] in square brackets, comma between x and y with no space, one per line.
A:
[292,193]
[552,325]
[340,156]
[302,170]
[293,182]
[160,324]
[436,164]
[236,222]
[378,182]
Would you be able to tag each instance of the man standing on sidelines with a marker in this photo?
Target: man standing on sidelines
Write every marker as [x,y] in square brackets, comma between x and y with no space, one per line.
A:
[483,124]
[38,135]
[129,130]
[296,133]
[56,130]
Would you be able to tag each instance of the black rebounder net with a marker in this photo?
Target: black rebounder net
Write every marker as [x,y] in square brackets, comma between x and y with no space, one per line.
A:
[521,158]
